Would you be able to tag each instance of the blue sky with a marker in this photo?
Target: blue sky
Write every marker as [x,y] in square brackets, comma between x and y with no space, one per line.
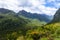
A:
[48,7]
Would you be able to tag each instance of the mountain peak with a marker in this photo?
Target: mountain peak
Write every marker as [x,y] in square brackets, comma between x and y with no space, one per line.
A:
[23,11]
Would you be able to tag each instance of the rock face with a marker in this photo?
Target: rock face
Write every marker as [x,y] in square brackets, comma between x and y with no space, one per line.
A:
[57,16]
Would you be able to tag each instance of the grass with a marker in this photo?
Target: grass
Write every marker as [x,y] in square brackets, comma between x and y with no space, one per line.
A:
[43,38]
[57,39]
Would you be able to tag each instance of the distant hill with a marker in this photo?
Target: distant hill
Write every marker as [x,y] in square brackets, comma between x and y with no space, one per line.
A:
[41,17]
[3,10]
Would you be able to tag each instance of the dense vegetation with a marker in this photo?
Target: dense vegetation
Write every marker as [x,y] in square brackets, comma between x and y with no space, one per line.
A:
[19,27]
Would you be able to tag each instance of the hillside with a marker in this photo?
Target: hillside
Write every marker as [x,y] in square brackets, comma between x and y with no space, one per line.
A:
[54,25]
[56,16]
[16,26]
[10,23]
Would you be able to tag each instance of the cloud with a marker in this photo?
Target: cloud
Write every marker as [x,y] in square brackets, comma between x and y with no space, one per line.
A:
[37,2]
[9,4]
[47,10]
[48,7]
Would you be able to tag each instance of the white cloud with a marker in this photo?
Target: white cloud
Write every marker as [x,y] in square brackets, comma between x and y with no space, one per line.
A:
[9,4]
[37,2]
[47,10]
[34,6]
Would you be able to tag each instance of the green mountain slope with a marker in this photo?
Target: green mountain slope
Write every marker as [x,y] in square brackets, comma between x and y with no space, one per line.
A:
[54,26]
[10,22]
[13,26]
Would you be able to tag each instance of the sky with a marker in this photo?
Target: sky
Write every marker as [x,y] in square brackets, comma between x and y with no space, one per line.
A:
[48,7]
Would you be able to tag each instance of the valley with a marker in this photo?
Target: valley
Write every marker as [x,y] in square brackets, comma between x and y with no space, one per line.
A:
[28,26]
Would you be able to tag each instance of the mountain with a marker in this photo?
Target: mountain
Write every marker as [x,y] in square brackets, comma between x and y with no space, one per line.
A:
[56,19]
[53,27]
[25,14]
[10,22]
[13,25]
[26,26]
[56,16]
[41,17]
[3,10]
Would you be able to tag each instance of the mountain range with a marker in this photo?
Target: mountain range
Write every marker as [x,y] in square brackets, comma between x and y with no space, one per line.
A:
[40,17]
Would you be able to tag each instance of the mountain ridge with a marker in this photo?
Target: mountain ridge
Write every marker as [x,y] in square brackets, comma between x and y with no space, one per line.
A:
[41,17]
